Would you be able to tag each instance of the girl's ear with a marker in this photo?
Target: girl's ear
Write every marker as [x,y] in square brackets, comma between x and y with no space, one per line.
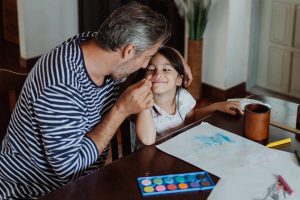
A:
[179,80]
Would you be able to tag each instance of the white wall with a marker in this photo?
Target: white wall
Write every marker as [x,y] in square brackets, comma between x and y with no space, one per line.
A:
[215,45]
[45,24]
[226,44]
[238,42]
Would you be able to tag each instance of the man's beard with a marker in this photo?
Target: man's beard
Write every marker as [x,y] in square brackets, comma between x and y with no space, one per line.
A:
[121,72]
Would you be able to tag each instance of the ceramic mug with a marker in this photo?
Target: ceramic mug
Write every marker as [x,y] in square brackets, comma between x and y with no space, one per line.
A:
[256,122]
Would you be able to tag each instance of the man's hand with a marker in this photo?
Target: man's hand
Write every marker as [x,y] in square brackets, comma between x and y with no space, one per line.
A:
[136,98]
[188,74]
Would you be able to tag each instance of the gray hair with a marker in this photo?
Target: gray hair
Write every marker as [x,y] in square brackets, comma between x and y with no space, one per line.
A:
[133,24]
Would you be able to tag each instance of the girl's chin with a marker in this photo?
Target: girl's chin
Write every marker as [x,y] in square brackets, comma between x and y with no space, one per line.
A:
[157,90]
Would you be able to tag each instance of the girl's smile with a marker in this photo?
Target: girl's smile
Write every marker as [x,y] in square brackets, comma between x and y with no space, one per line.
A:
[157,79]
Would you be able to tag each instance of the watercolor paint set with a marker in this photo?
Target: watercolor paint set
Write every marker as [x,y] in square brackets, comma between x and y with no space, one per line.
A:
[175,183]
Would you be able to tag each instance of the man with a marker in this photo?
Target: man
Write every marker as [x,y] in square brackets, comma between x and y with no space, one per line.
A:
[69,109]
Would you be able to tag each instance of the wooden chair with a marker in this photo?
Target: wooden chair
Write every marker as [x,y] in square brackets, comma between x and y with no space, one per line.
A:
[124,130]
[10,86]
[121,142]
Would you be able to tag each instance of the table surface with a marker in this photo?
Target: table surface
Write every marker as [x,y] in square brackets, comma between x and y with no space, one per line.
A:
[118,180]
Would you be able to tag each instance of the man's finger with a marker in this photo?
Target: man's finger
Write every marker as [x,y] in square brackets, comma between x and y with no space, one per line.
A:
[188,80]
[144,89]
[148,97]
[150,103]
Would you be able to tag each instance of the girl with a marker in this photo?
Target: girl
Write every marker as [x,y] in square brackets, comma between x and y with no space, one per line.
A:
[173,105]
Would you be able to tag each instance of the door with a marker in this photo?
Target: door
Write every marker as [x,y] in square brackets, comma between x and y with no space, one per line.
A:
[279,48]
[10,21]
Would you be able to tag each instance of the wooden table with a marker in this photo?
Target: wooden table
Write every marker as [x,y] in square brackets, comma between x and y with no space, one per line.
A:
[118,180]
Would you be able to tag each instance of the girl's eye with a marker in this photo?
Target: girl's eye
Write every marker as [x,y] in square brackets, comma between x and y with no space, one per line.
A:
[166,70]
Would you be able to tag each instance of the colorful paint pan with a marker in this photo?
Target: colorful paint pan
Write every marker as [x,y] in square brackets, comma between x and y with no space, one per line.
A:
[175,183]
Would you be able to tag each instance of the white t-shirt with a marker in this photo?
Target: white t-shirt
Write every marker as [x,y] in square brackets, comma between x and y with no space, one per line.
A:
[165,121]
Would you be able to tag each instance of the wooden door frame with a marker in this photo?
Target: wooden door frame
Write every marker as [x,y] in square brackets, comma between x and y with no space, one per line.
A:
[254,44]
[1,22]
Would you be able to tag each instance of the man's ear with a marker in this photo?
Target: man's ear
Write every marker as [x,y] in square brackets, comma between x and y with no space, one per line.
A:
[128,51]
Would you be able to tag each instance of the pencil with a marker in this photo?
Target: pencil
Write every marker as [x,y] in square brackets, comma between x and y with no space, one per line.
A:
[297,156]
[285,185]
[279,142]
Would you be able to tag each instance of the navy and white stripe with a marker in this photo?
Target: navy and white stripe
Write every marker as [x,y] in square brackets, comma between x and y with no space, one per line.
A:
[45,146]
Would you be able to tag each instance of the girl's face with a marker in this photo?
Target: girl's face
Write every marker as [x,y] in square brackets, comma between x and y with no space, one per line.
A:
[164,77]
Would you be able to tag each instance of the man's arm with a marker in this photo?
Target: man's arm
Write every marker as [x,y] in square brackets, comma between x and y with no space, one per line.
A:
[59,113]
[136,98]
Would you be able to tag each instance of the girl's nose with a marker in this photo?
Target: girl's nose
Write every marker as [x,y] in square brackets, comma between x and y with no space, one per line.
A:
[157,74]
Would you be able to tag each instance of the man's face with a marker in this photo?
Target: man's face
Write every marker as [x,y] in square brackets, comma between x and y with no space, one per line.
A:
[138,61]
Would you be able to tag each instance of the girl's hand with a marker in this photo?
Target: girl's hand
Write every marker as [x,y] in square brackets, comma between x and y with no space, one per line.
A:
[230,107]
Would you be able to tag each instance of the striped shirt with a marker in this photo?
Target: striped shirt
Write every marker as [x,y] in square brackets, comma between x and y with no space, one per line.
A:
[46,145]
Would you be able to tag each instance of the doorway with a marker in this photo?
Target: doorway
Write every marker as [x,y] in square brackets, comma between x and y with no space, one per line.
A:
[9,21]
[278,67]
[9,35]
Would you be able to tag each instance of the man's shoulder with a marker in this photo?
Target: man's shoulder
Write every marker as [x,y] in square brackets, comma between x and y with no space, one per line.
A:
[68,52]
[80,37]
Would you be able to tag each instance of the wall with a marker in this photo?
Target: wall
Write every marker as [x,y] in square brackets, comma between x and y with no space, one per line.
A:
[215,45]
[226,44]
[254,43]
[45,24]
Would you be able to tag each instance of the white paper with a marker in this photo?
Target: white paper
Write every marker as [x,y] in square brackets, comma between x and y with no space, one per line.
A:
[255,183]
[284,113]
[246,168]
[245,101]
[216,150]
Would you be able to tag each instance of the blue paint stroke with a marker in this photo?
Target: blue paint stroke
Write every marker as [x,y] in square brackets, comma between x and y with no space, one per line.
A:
[215,140]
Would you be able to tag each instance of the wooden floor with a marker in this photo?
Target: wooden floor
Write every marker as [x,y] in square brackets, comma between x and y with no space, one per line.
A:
[9,59]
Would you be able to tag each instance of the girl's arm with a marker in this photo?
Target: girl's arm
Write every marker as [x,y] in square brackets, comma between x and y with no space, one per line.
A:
[145,127]
[230,107]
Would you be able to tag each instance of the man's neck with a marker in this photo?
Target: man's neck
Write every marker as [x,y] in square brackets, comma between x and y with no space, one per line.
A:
[98,62]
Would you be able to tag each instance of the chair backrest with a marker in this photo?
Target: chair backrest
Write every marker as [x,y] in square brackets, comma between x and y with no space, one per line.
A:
[121,142]
[124,141]
[10,86]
